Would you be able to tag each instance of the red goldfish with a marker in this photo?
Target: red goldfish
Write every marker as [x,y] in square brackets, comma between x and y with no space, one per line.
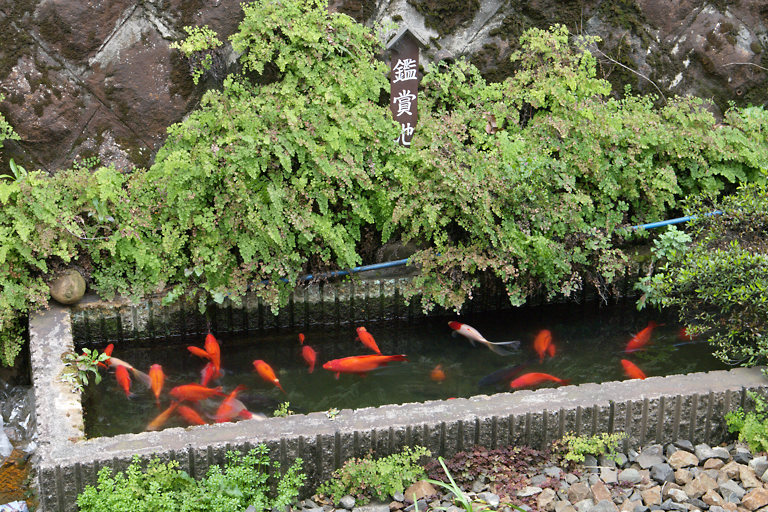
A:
[140,375]
[156,379]
[108,351]
[360,364]
[267,373]
[301,339]
[161,418]
[365,337]
[631,369]
[194,392]
[437,374]
[310,356]
[191,415]
[199,352]
[641,339]
[208,373]
[532,379]
[683,335]
[542,344]
[231,407]
[123,379]
[474,336]
[212,347]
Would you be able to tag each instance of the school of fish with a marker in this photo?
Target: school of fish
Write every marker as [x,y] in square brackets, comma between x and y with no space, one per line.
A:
[198,403]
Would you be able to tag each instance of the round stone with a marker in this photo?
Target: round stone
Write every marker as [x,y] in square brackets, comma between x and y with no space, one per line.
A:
[68,287]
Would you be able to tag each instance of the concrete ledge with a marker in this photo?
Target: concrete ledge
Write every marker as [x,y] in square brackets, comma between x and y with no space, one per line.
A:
[658,409]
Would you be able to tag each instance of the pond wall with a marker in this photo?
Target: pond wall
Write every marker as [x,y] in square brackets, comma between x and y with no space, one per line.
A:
[659,409]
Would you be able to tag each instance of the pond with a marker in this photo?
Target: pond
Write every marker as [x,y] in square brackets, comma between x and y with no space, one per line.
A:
[589,342]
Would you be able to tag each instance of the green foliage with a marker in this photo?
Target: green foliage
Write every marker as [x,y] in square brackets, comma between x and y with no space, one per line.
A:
[599,444]
[283,410]
[80,365]
[163,487]
[752,426]
[368,478]
[670,244]
[198,48]
[6,130]
[719,285]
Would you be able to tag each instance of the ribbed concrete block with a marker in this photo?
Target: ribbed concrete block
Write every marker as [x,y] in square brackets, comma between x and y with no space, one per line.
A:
[452,441]
[486,432]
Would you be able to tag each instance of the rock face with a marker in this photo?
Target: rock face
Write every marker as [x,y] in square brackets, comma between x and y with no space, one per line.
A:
[97,78]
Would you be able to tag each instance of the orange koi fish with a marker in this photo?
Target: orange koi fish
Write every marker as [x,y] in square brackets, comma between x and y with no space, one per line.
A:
[683,335]
[542,342]
[551,350]
[208,373]
[199,352]
[474,336]
[157,379]
[214,350]
[191,415]
[194,392]
[140,375]
[267,373]
[631,369]
[123,379]
[310,356]
[642,338]
[231,407]
[161,418]
[532,379]
[301,339]
[367,339]
[108,351]
[360,364]
[437,374]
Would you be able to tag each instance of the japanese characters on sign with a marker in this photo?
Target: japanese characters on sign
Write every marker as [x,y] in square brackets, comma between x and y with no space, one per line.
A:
[404,86]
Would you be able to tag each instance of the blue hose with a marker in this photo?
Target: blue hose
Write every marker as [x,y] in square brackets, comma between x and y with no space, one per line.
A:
[399,263]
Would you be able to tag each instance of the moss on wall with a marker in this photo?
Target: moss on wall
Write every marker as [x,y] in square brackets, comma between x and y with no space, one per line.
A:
[446,15]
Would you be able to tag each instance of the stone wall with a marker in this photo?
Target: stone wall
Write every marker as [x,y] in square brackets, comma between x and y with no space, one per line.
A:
[97,78]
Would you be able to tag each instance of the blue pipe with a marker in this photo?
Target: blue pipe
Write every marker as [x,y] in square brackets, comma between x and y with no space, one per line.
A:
[399,263]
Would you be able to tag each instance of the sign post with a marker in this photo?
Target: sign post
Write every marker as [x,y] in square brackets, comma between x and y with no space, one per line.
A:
[404,82]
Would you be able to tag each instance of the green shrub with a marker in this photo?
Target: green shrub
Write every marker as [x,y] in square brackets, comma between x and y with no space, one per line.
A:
[243,482]
[368,478]
[752,426]
[719,285]
[599,444]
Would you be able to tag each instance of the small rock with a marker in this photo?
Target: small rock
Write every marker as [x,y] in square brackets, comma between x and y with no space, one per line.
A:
[373,508]
[741,455]
[683,476]
[704,452]
[700,485]
[553,472]
[609,475]
[604,506]
[606,462]
[653,454]
[590,462]
[600,492]
[713,463]
[419,490]
[538,480]
[593,479]
[730,489]
[490,498]
[584,505]
[696,502]
[667,488]
[712,498]
[571,479]
[662,472]
[529,490]
[68,287]
[546,500]
[651,496]
[641,508]
[347,502]
[564,506]
[678,495]
[621,460]
[396,505]
[672,505]
[731,470]
[748,477]
[682,459]
[479,485]
[421,504]
[579,492]
[308,504]
[759,465]
[684,444]
[631,476]
[398,496]
[754,499]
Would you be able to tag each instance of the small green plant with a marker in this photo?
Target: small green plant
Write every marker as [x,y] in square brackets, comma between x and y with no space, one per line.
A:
[244,482]
[80,365]
[332,413]
[462,498]
[366,478]
[752,426]
[199,47]
[283,410]
[599,444]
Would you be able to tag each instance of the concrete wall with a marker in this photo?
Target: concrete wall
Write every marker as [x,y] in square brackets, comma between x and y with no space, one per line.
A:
[659,409]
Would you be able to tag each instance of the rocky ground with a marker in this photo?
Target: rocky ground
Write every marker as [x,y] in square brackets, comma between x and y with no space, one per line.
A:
[676,476]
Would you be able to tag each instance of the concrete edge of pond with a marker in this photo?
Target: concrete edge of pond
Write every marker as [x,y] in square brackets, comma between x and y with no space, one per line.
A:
[658,409]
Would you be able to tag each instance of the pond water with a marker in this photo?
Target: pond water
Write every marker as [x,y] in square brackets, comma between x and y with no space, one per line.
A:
[589,341]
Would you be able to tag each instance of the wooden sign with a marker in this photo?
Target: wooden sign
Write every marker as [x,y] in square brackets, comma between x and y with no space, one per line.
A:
[404,83]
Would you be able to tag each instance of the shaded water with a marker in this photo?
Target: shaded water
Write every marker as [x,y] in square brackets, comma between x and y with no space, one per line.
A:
[590,343]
